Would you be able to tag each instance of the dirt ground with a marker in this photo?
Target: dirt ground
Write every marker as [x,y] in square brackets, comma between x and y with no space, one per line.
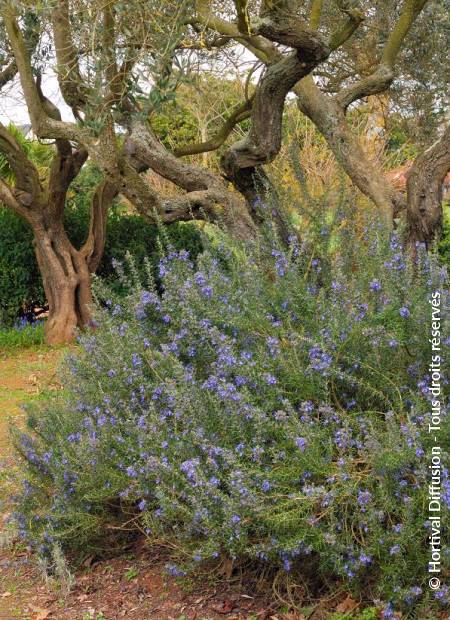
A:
[133,586]
[24,376]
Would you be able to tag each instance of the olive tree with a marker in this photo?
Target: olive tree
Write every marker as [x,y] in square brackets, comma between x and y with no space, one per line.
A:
[115,63]
[118,62]
[38,194]
[391,43]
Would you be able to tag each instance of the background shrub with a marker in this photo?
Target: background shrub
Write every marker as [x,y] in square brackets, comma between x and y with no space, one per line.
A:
[261,404]
[20,280]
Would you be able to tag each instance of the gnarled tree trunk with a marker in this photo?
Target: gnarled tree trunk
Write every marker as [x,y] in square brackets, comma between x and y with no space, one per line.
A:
[67,282]
[243,162]
[329,118]
[424,189]
[65,270]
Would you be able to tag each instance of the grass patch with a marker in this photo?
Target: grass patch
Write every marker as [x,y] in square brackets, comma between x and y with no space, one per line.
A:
[12,338]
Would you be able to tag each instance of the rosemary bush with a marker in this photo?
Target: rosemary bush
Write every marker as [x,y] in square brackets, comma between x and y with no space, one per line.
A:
[261,404]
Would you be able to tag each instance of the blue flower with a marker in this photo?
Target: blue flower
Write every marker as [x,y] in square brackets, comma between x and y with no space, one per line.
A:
[270,379]
[319,360]
[301,443]
[307,406]
[404,312]
[364,497]
[175,571]
[148,297]
[240,448]
[375,286]
[207,291]
[265,486]
[281,263]
[139,313]
[131,471]
[365,559]
[189,467]
[117,310]
[136,360]
[273,345]
[74,437]
[200,278]
[162,270]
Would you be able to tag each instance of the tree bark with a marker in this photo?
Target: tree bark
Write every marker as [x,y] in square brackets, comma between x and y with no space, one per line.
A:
[243,162]
[65,270]
[207,195]
[67,282]
[330,119]
[329,115]
[424,191]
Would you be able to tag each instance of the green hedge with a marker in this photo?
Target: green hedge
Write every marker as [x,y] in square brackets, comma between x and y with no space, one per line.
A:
[20,280]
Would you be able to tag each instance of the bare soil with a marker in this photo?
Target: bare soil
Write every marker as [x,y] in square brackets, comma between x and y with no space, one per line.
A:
[134,587]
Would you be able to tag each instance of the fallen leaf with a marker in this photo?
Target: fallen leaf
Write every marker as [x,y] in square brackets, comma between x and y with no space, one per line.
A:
[226,607]
[6,594]
[42,614]
[348,604]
